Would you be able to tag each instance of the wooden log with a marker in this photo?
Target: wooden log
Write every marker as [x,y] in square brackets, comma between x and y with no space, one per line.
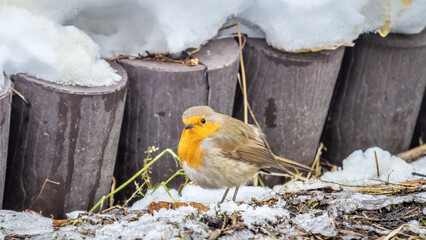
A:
[413,154]
[290,95]
[5,106]
[378,95]
[158,95]
[419,136]
[221,58]
[67,134]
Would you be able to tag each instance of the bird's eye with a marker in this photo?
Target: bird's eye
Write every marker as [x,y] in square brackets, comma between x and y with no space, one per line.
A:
[203,121]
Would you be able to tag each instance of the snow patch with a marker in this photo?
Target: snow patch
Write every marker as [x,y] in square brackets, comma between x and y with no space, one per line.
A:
[21,223]
[197,194]
[359,168]
[52,39]
[322,224]
[35,45]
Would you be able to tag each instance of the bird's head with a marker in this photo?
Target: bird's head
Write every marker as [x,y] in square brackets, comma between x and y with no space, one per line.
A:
[201,122]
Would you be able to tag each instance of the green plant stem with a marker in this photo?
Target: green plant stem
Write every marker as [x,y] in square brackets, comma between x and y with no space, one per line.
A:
[260,181]
[168,150]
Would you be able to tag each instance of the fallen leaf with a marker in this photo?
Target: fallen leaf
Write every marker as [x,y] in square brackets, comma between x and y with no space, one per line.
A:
[199,206]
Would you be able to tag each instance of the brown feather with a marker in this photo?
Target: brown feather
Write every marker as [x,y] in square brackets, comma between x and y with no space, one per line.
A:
[240,142]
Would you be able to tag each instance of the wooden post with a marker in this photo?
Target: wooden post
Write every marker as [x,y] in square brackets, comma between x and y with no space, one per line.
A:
[158,95]
[67,134]
[378,95]
[220,57]
[419,136]
[290,95]
[5,105]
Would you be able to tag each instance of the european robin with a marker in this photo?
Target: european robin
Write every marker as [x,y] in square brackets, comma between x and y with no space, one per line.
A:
[219,151]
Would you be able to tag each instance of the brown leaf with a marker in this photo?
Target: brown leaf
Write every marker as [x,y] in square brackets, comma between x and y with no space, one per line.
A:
[179,204]
[156,206]
[200,207]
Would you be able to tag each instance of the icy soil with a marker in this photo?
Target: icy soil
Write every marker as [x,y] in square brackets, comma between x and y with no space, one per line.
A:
[259,213]
[316,207]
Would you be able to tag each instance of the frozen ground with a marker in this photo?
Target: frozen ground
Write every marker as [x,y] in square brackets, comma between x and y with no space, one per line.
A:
[64,41]
[299,209]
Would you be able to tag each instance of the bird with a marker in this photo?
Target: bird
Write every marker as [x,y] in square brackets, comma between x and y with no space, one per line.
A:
[219,151]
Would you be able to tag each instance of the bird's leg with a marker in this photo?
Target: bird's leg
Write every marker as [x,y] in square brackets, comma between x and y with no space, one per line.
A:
[235,193]
[224,195]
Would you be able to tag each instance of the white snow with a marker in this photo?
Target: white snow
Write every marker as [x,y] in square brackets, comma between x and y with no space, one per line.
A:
[359,168]
[207,197]
[62,41]
[62,54]
[416,228]
[21,223]
[322,224]
[187,222]
[74,214]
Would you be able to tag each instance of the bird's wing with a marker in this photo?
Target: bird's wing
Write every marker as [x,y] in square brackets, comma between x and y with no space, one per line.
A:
[240,142]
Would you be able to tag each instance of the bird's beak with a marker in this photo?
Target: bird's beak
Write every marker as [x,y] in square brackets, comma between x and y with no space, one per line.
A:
[189,126]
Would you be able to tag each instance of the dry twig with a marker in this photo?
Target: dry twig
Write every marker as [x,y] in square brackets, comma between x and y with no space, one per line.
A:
[41,191]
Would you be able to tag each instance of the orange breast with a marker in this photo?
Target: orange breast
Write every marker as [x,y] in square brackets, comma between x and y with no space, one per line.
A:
[190,151]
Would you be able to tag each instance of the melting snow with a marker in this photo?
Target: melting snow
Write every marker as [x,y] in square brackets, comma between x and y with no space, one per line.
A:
[258,220]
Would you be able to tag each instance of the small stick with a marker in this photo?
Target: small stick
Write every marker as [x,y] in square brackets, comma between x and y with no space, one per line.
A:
[413,154]
[20,95]
[252,115]
[42,188]
[377,164]
[111,198]
[316,163]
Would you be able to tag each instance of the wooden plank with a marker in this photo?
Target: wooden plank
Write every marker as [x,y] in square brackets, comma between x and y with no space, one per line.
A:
[67,134]
[290,95]
[378,95]
[158,95]
[5,106]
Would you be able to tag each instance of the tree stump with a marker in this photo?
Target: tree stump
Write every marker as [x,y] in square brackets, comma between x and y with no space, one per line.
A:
[158,95]
[378,95]
[290,95]
[66,134]
[5,105]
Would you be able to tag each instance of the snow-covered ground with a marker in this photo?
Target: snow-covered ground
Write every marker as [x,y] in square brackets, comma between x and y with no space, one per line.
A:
[64,41]
[316,207]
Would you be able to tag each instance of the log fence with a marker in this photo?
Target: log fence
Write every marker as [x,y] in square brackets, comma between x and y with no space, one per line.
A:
[353,98]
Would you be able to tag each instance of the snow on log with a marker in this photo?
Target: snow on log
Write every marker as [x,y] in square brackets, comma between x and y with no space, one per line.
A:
[290,95]
[158,95]
[66,134]
[378,95]
[5,105]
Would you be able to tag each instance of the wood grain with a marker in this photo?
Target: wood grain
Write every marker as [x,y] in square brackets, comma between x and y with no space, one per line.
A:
[290,95]
[67,134]
[158,95]
[5,106]
[378,95]
[419,136]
